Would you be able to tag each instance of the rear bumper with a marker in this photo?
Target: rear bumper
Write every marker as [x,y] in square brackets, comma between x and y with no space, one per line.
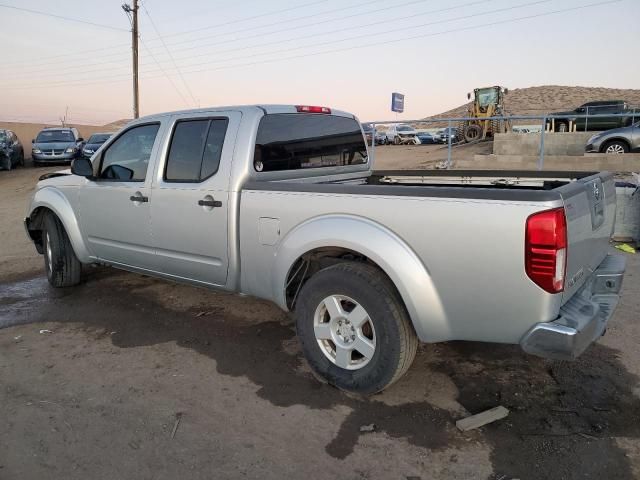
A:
[583,319]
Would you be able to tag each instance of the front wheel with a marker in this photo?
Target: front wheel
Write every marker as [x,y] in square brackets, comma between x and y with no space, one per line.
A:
[354,329]
[60,262]
[616,147]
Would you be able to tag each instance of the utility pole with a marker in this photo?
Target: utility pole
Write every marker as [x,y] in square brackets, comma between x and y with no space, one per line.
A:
[63,120]
[132,12]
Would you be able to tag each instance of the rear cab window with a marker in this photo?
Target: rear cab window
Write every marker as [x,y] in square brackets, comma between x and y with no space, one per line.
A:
[299,141]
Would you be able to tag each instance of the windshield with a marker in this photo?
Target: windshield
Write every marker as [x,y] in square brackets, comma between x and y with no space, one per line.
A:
[98,138]
[487,96]
[50,136]
[404,128]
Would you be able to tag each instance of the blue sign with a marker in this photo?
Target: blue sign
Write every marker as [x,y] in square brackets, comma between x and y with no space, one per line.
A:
[397,102]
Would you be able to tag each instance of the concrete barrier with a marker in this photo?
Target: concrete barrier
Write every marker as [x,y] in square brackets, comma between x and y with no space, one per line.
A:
[529,143]
[629,162]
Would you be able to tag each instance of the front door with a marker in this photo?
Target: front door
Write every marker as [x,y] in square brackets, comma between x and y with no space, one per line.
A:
[189,213]
[115,206]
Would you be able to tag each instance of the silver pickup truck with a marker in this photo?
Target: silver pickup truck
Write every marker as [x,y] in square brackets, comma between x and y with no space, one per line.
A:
[282,203]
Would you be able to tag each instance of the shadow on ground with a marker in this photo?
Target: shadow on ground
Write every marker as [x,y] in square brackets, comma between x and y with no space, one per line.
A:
[564,416]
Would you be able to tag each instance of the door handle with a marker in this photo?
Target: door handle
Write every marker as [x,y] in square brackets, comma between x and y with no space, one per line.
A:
[210,203]
[139,198]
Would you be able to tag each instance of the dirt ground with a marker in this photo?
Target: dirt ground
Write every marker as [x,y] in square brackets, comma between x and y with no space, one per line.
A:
[126,377]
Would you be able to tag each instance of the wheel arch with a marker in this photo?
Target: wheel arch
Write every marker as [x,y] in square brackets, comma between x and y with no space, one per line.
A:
[608,141]
[50,200]
[332,238]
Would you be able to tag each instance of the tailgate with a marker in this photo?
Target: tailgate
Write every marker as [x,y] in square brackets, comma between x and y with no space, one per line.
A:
[590,206]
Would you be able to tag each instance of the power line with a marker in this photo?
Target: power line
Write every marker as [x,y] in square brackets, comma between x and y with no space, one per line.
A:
[245,19]
[61,17]
[357,37]
[295,27]
[47,59]
[144,7]
[295,20]
[414,37]
[103,58]
[184,99]
[386,20]
[356,47]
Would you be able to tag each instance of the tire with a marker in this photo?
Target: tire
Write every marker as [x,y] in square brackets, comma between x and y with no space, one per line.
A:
[562,127]
[60,262]
[21,161]
[472,133]
[366,296]
[5,162]
[615,147]
[396,140]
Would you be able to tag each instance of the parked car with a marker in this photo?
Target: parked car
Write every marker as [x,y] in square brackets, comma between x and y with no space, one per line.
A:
[281,203]
[367,129]
[617,140]
[94,143]
[401,134]
[426,138]
[442,136]
[381,137]
[11,150]
[601,107]
[56,145]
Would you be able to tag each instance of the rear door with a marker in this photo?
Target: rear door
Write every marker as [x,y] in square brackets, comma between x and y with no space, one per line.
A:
[189,214]
[590,205]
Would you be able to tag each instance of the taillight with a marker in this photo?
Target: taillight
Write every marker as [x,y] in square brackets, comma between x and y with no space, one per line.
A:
[312,109]
[546,249]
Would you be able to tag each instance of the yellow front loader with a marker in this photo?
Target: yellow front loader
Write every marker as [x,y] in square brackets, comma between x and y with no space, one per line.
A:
[487,102]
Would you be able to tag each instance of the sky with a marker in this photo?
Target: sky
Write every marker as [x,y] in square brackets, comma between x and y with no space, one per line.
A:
[346,54]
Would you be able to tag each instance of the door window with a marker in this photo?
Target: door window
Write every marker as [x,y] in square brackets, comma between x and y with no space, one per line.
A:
[127,158]
[196,147]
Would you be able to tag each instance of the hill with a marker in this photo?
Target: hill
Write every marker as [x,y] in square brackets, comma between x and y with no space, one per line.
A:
[552,98]
[117,125]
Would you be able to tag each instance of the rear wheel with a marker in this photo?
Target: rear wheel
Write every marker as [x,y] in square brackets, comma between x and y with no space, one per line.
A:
[60,262]
[21,161]
[5,162]
[616,146]
[354,329]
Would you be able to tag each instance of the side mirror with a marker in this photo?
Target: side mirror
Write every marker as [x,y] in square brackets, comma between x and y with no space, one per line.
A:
[81,139]
[468,96]
[33,140]
[82,167]
[506,91]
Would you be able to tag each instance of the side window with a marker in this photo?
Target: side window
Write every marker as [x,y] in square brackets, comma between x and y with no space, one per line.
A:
[196,147]
[127,158]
